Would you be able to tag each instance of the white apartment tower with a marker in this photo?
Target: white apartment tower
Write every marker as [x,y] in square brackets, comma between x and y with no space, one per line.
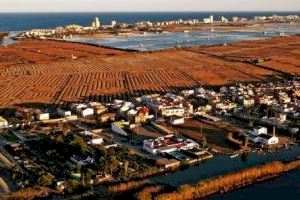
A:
[211,19]
[113,23]
[96,23]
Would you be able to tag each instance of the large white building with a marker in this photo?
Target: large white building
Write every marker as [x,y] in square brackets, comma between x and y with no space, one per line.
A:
[260,135]
[96,23]
[87,112]
[43,116]
[209,20]
[176,120]
[172,110]
[3,122]
[113,23]
[167,144]
[260,130]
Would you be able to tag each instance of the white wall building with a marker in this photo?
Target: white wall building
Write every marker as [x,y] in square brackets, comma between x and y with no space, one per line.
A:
[224,20]
[260,130]
[168,144]
[96,23]
[87,112]
[113,23]
[260,135]
[63,113]
[3,122]
[96,141]
[172,110]
[176,120]
[209,20]
[43,116]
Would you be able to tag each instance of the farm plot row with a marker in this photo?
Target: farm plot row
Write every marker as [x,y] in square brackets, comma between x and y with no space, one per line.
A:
[64,67]
[89,86]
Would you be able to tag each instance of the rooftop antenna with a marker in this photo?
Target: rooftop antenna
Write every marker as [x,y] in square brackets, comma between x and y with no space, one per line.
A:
[274,131]
[201,129]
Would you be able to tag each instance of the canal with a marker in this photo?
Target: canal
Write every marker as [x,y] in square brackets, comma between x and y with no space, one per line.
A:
[222,164]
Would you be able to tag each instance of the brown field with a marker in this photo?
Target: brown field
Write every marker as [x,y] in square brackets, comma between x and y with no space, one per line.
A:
[283,53]
[35,71]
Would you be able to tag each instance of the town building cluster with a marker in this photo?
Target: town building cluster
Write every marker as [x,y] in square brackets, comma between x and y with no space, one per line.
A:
[162,127]
[269,104]
[67,31]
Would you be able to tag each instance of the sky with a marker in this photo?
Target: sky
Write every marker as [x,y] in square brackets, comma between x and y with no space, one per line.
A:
[146,5]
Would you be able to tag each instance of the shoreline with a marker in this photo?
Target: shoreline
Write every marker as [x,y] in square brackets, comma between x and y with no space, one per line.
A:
[229,181]
[165,49]
[92,38]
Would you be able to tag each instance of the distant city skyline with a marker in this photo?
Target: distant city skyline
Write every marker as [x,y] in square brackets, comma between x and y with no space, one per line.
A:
[147,5]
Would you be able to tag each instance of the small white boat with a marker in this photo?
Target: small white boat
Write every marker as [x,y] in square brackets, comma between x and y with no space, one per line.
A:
[234,155]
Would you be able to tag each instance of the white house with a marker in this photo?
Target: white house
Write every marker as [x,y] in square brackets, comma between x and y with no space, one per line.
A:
[96,140]
[176,120]
[3,122]
[87,112]
[268,139]
[43,116]
[248,102]
[63,113]
[78,106]
[260,130]
[259,135]
[167,144]
[172,110]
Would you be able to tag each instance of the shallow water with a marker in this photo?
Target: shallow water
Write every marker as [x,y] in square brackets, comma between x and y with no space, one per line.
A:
[150,42]
[222,164]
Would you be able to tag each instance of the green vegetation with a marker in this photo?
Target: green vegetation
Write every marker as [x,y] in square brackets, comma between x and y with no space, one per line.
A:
[46,179]
[8,136]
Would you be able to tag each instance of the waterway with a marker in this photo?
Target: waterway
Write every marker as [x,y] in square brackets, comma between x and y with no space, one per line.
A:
[222,164]
[160,41]
[10,38]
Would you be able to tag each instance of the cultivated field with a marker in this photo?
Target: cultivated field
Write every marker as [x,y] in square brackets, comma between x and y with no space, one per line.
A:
[35,71]
[281,54]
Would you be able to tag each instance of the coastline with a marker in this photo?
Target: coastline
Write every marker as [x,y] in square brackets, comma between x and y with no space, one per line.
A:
[230,181]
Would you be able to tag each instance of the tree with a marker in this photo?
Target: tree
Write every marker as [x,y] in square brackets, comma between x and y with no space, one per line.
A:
[111,152]
[204,142]
[59,139]
[72,186]
[103,165]
[87,177]
[79,142]
[113,164]
[46,179]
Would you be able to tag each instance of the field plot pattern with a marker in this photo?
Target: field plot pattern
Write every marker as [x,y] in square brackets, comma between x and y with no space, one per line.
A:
[43,71]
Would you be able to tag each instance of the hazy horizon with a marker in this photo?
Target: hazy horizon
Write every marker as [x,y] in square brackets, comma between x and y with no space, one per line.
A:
[150,6]
[204,11]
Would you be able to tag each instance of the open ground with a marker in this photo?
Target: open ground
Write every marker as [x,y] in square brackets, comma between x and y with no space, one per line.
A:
[34,71]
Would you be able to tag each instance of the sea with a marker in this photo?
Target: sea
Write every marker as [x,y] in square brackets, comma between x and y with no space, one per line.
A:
[27,21]
[15,22]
